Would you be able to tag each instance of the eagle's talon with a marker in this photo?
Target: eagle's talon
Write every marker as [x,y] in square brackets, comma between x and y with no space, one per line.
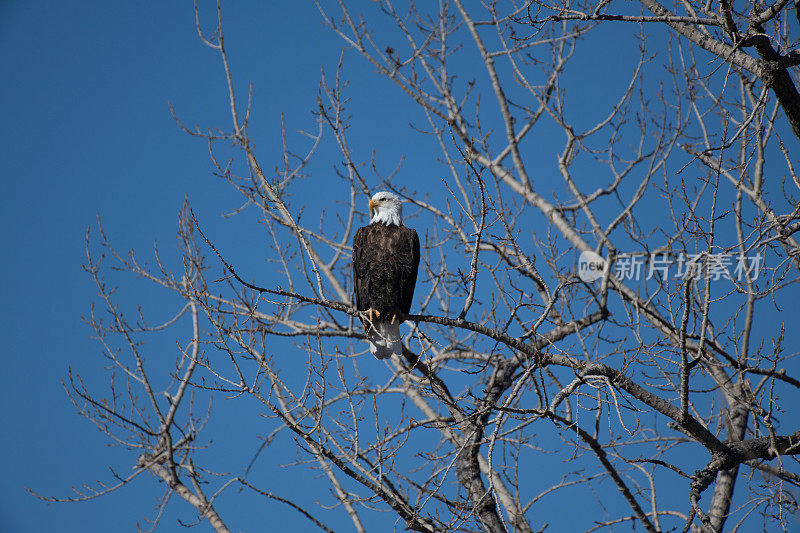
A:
[372,314]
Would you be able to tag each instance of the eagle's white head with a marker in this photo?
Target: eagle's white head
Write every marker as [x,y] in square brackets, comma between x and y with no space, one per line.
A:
[386,208]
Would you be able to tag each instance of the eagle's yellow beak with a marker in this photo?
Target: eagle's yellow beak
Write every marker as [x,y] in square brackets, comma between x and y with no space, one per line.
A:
[372,204]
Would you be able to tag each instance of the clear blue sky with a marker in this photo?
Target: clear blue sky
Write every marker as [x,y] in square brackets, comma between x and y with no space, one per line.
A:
[86,129]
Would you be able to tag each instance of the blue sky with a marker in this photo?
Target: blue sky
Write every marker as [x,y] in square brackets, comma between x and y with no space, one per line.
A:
[86,130]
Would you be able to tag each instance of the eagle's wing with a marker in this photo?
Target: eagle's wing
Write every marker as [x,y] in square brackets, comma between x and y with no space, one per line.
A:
[409,264]
[360,271]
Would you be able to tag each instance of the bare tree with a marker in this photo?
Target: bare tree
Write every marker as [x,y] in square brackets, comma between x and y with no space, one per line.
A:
[604,281]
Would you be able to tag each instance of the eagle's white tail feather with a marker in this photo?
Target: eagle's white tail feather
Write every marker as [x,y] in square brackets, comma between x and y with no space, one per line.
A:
[385,340]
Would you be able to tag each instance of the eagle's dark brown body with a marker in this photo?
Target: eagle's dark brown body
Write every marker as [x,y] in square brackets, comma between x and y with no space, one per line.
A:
[385,263]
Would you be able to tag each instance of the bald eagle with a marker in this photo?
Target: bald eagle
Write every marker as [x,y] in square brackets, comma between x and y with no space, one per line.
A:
[385,263]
